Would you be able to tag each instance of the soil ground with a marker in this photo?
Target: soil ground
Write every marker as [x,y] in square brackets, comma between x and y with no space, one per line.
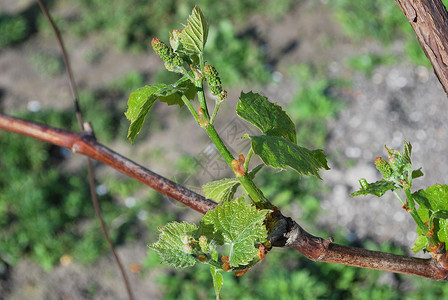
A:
[395,104]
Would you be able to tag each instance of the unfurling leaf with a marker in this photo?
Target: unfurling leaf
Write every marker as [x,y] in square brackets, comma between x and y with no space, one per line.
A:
[218,281]
[417,173]
[241,226]
[268,117]
[378,188]
[279,152]
[400,164]
[221,190]
[194,35]
[384,167]
[172,245]
[141,101]
[185,87]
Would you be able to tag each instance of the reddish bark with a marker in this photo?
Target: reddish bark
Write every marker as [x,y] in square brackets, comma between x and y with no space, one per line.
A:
[86,145]
[284,231]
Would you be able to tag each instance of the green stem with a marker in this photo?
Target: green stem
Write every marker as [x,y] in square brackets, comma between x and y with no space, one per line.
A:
[185,73]
[201,96]
[190,108]
[215,111]
[255,194]
[413,211]
[248,157]
[399,197]
[200,88]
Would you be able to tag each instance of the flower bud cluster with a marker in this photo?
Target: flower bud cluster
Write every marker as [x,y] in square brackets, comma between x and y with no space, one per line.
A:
[203,243]
[214,82]
[384,167]
[171,60]
[189,243]
[200,248]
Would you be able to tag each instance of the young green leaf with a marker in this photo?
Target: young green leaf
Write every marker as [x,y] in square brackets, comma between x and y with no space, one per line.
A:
[401,164]
[221,190]
[172,245]
[194,35]
[433,208]
[442,233]
[279,152]
[378,188]
[218,281]
[268,117]
[185,87]
[420,243]
[417,173]
[437,198]
[441,214]
[141,101]
[241,226]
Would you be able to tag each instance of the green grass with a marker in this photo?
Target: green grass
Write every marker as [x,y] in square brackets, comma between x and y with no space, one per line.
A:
[13,29]
[313,104]
[130,26]
[46,211]
[47,65]
[237,59]
[381,20]
[37,211]
[368,62]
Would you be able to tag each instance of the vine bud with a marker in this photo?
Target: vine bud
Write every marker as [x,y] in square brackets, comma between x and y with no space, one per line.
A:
[262,251]
[241,272]
[226,266]
[213,80]
[188,249]
[197,75]
[238,168]
[384,167]
[203,122]
[203,243]
[186,238]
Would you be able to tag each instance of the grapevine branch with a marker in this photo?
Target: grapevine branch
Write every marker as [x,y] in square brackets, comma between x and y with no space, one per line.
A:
[429,19]
[285,232]
[85,144]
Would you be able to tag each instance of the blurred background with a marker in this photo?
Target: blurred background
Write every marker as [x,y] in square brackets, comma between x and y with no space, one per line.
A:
[350,74]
